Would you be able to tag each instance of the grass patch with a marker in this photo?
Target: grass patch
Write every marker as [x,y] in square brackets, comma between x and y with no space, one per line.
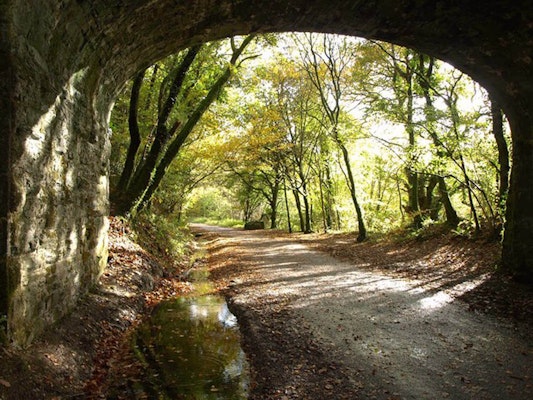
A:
[225,222]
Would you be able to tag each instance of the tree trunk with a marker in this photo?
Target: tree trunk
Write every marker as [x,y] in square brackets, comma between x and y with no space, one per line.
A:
[426,186]
[503,153]
[299,209]
[425,78]
[351,186]
[144,192]
[322,202]
[452,105]
[144,171]
[412,176]
[274,206]
[330,200]
[517,257]
[452,219]
[172,151]
[135,136]
[406,75]
[307,209]
[289,224]
[432,206]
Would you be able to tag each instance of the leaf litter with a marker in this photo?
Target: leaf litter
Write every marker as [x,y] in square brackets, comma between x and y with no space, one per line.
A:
[291,356]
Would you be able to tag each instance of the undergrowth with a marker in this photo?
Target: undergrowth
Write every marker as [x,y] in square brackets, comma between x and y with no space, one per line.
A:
[163,237]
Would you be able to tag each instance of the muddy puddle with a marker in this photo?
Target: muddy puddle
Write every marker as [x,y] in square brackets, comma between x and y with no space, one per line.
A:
[190,348]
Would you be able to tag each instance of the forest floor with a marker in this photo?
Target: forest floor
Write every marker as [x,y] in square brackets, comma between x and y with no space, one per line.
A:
[322,317]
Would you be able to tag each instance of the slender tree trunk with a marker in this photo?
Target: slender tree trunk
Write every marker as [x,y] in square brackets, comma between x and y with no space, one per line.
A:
[503,153]
[247,212]
[330,199]
[322,203]
[400,201]
[135,136]
[274,206]
[144,171]
[145,192]
[299,209]
[289,224]
[351,186]
[307,209]
[477,226]
[455,121]
[412,175]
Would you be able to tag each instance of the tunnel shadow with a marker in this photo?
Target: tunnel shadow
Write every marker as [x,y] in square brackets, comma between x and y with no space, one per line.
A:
[73,354]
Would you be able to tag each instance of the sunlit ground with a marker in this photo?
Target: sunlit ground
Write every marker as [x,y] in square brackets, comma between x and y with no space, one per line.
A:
[411,336]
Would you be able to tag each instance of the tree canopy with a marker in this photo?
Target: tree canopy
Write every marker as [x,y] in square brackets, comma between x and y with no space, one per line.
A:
[319,132]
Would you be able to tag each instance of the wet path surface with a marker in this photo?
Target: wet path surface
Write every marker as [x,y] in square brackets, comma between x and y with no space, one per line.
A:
[191,350]
[394,339]
[190,347]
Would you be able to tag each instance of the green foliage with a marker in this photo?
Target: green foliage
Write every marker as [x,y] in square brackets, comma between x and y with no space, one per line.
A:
[225,222]
[274,141]
[191,81]
[162,237]
[214,203]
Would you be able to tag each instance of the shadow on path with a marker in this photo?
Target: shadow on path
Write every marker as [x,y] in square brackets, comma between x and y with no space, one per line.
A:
[381,337]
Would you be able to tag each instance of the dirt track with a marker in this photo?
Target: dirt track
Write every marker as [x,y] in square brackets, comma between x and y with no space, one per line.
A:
[316,327]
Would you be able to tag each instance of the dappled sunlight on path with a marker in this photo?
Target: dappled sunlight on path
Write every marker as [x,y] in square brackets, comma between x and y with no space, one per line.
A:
[394,336]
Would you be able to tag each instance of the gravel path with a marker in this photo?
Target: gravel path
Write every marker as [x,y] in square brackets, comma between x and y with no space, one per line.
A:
[388,338]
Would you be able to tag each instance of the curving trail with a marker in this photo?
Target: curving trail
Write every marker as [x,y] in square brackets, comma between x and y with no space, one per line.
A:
[317,327]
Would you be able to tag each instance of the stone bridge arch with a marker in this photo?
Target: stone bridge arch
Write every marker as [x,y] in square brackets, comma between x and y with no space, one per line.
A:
[63,62]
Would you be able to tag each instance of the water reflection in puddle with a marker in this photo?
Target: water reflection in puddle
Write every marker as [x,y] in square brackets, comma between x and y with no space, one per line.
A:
[191,349]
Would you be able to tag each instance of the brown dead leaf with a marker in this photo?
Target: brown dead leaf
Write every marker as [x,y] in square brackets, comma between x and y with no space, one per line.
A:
[5,383]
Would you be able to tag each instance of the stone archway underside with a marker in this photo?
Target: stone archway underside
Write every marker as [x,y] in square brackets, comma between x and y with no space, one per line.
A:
[66,60]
